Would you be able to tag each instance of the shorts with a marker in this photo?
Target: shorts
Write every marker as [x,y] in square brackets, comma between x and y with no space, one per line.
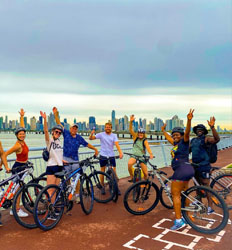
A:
[204,175]
[104,161]
[184,172]
[72,167]
[18,167]
[51,170]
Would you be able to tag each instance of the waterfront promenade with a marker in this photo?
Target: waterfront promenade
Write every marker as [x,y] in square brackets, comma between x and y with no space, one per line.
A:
[111,227]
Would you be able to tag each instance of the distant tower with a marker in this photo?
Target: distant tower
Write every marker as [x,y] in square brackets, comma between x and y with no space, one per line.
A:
[92,122]
[113,119]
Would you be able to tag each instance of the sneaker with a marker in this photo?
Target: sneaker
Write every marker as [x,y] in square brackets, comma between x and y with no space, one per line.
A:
[210,210]
[51,217]
[21,213]
[178,225]
[103,192]
[11,212]
[1,224]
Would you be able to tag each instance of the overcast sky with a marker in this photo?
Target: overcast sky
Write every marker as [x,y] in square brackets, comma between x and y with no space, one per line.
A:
[152,58]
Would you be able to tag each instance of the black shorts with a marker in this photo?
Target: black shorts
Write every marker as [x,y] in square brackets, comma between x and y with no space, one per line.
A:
[184,172]
[18,167]
[104,161]
[202,174]
[51,170]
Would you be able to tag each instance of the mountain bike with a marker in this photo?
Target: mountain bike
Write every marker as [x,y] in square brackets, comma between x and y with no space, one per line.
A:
[18,192]
[112,174]
[194,209]
[52,200]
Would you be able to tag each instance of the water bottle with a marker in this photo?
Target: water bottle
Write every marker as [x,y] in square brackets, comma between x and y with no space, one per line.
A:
[73,183]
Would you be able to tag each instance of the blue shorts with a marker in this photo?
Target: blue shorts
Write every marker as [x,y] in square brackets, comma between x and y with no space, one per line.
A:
[104,161]
[184,172]
[51,170]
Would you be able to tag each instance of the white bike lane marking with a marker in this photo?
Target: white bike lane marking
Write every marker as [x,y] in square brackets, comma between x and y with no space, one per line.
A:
[196,238]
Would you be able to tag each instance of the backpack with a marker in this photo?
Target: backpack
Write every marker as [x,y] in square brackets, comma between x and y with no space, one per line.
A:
[144,139]
[212,151]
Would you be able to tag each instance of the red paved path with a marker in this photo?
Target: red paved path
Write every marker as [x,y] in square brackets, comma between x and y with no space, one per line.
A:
[109,227]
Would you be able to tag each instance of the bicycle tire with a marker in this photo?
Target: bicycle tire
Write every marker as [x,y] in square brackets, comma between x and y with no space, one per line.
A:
[86,195]
[115,184]
[109,189]
[45,209]
[222,184]
[27,195]
[201,220]
[144,189]
[164,199]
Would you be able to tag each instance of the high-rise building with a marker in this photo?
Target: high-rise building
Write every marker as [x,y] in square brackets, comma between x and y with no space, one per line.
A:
[144,123]
[6,122]
[33,123]
[1,122]
[126,123]
[51,121]
[113,119]
[92,122]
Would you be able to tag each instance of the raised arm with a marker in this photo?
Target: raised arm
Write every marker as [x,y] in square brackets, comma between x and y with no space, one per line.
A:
[56,115]
[92,136]
[188,126]
[215,138]
[167,136]
[132,132]
[43,114]
[22,113]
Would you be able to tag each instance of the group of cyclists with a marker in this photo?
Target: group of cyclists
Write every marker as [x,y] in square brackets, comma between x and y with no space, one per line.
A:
[61,155]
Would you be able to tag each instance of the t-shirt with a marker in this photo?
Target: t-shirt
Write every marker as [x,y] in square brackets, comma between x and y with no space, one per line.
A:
[107,143]
[72,144]
[55,152]
[180,153]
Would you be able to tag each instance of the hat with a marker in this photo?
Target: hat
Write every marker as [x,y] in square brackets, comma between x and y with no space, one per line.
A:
[74,125]
[202,127]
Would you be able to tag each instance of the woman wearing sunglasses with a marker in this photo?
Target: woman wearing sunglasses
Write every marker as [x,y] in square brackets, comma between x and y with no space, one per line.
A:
[54,147]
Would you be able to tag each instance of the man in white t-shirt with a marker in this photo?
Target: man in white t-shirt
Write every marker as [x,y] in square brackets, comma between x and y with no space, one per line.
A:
[108,140]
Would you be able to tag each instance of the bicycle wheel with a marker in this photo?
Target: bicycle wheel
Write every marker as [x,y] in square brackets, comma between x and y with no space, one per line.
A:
[165,195]
[49,207]
[201,213]
[147,197]
[86,195]
[222,184]
[103,193]
[113,177]
[25,197]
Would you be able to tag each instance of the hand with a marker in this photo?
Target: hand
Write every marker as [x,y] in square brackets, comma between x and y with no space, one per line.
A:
[8,170]
[65,162]
[163,127]
[190,114]
[211,123]
[22,112]
[54,110]
[132,118]
[151,156]
[43,114]
[121,155]
[96,152]
[92,132]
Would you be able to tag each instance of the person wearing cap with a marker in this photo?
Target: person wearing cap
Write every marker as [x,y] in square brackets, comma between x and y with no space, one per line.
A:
[21,150]
[139,149]
[183,170]
[72,142]
[198,148]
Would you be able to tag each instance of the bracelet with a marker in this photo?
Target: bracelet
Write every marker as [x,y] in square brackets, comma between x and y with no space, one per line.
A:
[212,127]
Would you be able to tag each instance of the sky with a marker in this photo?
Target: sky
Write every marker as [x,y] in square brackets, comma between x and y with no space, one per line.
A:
[151,58]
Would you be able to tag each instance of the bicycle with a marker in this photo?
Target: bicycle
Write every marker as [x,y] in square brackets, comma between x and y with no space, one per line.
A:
[51,201]
[114,178]
[194,211]
[222,184]
[137,166]
[18,193]
[103,192]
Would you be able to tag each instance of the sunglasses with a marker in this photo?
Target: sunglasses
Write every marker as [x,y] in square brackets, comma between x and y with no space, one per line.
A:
[58,132]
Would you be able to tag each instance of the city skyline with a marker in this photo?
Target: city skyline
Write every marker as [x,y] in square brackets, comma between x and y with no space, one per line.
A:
[121,123]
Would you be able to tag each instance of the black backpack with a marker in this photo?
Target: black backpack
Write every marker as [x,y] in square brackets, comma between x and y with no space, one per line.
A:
[212,152]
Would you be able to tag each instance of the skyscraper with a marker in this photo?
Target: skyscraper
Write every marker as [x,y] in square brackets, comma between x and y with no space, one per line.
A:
[113,119]
[92,122]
